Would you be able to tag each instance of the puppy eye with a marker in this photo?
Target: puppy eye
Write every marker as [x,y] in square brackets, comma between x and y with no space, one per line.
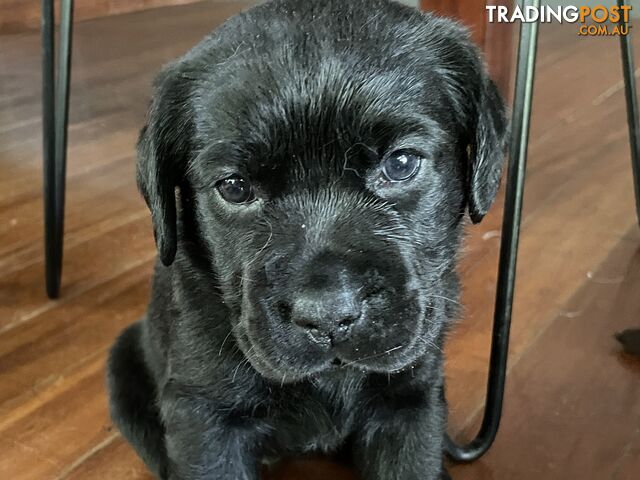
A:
[236,189]
[401,166]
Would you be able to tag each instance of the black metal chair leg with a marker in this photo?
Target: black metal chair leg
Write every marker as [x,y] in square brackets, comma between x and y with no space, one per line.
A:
[628,71]
[55,108]
[48,147]
[508,247]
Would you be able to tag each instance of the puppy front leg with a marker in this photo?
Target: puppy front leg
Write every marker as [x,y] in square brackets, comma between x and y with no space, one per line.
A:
[205,444]
[402,444]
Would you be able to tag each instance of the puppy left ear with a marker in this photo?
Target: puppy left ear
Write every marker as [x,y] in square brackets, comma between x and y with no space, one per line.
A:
[487,136]
[163,153]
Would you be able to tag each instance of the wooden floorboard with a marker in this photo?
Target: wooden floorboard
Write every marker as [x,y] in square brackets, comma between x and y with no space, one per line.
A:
[573,402]
[573,399]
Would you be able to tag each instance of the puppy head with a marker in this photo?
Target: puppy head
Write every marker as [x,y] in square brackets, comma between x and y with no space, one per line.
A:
[326,158]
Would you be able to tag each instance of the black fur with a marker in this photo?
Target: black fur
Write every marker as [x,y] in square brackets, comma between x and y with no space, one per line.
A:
[306,99]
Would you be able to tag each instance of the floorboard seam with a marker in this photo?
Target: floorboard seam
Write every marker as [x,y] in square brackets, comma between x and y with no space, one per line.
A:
[514,361]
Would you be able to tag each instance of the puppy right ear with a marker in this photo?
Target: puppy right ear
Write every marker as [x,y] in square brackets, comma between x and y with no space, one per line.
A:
[163,153]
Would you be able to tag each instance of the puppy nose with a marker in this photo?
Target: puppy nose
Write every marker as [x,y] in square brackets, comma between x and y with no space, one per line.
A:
[328,315]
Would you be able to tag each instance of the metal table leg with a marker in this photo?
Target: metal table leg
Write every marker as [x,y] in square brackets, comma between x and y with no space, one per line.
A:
[55,109]
[508,247]
[628,71]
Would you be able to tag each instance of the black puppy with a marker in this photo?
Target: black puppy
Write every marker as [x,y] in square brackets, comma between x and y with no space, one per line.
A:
[307,167]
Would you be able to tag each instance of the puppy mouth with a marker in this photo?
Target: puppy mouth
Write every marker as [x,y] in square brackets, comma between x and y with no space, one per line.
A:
[337,362]
[397,358]
[362,363]
[390,361]
[277,348]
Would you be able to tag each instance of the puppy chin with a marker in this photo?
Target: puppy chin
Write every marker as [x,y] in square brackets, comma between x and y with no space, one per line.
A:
[400,358]
[405,360]
[271,367]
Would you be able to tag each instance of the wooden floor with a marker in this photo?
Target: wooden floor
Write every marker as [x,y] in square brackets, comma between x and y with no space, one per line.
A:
[573,401]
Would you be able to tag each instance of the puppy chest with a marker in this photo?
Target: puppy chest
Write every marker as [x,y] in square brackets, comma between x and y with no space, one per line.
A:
[309,426]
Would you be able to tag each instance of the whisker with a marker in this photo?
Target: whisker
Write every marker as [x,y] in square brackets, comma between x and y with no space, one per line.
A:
[373,356]
[225,341]
[243,362]
[445,298]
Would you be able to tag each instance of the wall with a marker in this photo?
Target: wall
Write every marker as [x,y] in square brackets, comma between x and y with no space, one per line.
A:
[20,15]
